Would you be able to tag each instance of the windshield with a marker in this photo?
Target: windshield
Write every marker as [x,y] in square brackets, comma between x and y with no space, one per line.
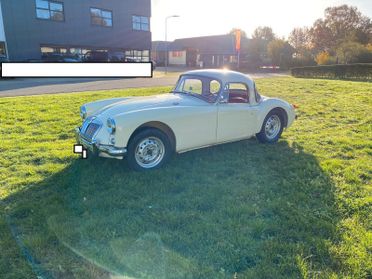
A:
[201,87]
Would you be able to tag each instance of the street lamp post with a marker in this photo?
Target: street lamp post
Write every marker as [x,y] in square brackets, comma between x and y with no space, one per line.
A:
[166,41]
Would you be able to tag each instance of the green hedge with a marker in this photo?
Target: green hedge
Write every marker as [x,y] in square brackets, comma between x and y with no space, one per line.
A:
[348,72]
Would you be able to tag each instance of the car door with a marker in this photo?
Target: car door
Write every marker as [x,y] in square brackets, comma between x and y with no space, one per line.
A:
[237,117]
[196,123]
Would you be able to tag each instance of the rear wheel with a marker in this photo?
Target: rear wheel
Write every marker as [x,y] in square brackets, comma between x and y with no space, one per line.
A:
[148,150]
[272,127]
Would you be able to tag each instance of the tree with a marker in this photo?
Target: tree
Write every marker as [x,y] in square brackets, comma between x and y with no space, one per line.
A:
[254,53]
[232,32]
[300,40]
[347,22]
[320,36]
[340,24]
[352,52]
[263,33]
[280,52]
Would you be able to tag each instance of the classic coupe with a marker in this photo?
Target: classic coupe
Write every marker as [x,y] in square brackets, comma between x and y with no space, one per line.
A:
[206,108]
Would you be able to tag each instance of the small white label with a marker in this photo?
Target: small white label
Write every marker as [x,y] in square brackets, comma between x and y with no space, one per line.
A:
[78,149]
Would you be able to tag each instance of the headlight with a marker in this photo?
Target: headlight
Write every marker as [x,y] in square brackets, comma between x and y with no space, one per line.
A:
[83,112]
[111,125]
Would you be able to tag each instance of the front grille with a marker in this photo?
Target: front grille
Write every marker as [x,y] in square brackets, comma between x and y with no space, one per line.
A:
[91,131]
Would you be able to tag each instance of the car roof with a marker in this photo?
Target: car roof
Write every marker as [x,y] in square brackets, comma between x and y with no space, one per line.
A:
[223,75]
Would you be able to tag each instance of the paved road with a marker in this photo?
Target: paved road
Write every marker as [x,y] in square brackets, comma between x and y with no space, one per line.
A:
[37,86]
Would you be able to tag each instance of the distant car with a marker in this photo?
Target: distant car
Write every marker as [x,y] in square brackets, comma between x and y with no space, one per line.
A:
[132,60]
[207,107]
[61,58]
[104,56]
[96,56]
[3,58]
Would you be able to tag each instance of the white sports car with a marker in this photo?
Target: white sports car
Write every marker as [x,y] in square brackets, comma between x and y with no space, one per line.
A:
[207,107]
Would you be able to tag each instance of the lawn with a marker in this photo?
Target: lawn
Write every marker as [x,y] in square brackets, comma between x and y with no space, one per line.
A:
[297,209]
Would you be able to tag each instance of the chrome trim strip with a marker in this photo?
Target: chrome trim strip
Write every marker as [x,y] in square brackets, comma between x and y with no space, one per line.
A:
[214,144]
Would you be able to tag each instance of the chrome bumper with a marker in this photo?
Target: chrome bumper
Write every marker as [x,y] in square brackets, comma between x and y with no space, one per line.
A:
[107,151]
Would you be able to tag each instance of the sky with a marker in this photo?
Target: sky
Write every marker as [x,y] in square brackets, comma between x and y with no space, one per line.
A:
[216,17]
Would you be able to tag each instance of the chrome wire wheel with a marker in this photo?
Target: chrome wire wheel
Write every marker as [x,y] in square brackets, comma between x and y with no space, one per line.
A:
[273,127]
[149,152]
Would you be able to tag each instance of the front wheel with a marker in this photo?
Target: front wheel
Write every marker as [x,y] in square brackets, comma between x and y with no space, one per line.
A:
[272,128]
[148,150]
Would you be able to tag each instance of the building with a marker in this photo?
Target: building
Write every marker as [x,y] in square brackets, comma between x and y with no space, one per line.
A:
[34,29]
[2,36]
[158,52]
[208,51]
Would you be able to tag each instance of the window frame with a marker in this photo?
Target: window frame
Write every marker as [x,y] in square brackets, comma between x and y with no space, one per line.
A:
[257,94]
[101,17]
[203,79]
[248,92]
[141,23]
[50,11]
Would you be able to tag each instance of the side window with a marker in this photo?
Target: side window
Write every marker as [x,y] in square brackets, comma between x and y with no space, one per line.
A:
[193,86]
[238,93]
[214,87]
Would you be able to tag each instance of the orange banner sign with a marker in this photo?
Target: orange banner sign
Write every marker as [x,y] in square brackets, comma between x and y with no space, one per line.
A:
[238,38]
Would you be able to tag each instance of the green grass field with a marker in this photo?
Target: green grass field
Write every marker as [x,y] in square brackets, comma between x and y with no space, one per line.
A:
[298,209]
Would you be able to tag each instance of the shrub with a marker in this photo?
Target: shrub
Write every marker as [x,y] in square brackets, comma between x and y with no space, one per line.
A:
[323,58]
[349,72]
[303,61]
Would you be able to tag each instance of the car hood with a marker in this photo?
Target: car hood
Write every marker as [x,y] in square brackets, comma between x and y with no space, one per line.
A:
[151,102]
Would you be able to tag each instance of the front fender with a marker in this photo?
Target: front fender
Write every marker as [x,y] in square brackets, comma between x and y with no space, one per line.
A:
[128,123]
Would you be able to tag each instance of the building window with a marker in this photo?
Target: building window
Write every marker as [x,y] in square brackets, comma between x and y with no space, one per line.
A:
[45,50]
[50,52]
[141,23]
[101,17]
[2,49]
[177,53]
[49,10]
[137,55]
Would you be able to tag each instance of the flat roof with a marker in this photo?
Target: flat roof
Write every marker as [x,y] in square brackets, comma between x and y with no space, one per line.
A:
[223,75]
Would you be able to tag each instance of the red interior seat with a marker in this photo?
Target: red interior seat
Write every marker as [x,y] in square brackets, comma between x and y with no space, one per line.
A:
[237,96]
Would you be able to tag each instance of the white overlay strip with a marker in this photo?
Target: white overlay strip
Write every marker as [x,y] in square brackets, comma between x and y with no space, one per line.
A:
[76,70]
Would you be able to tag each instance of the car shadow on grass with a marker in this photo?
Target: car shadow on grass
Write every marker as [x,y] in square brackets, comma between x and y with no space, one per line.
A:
[243,209]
